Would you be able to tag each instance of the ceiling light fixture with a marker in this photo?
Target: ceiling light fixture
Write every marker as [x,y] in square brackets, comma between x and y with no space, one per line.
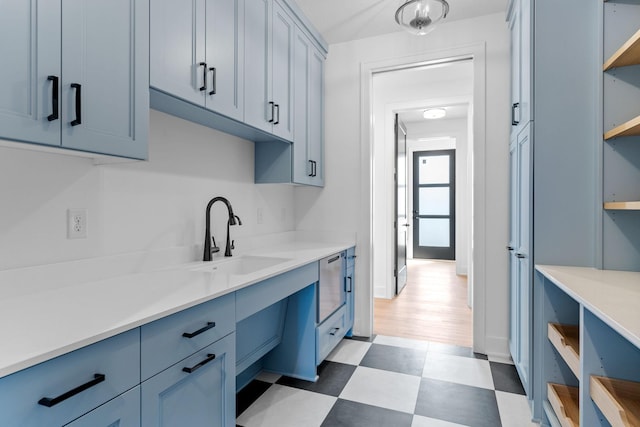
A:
[421,16]
[434,113]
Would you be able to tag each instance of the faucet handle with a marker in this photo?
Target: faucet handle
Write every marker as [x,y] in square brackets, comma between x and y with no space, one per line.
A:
[233,244]
[214,247]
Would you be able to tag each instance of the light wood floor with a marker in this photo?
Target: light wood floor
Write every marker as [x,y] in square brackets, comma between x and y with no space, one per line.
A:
[432,307]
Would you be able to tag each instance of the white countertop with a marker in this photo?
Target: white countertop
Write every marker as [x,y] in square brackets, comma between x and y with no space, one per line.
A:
[40,321]
[613,296]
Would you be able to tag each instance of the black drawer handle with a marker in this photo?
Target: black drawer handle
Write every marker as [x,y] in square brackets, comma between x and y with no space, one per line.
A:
[519,255]
[509,248]
[49,402]
[78,88]
[199,331]
[350,288]
[273,116]
[213,78]
[311,164]
[335,258]
[514,122]
[209,358]
[204,76]
[54,99]
[334,331]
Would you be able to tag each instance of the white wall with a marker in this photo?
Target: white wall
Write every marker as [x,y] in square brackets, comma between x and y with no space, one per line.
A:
[457,129]
[135,206]
[344,202]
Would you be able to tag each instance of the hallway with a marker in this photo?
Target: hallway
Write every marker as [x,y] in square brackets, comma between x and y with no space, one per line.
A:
[432,307]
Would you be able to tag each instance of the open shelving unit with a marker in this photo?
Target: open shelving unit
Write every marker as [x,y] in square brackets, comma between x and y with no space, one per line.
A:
[618,400]
[565,403]
[630,128]
[566,339]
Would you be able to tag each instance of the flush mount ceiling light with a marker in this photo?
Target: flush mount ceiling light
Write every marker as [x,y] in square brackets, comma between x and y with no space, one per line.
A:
[421,16]
[434,113]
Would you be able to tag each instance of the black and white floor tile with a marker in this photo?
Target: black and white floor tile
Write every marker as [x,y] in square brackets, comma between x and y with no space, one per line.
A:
[391,382]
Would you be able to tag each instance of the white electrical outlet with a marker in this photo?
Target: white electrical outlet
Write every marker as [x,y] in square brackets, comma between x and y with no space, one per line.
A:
[76,224]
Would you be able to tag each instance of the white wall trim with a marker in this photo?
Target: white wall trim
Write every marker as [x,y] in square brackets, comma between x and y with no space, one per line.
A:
[477,268]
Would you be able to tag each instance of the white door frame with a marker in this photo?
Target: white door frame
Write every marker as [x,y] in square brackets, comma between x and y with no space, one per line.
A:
[477,273]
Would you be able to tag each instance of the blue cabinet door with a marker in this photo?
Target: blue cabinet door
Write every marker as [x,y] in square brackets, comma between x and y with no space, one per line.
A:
[225,57]
[282,71]
[513,260]
[257,86]
[316,117]
[123,411]
[177,48]
[350,282]
[302,167]
[30,52]
[105,76]
[203,397]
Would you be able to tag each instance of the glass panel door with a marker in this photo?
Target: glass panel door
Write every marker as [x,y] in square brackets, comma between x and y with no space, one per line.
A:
[434,204]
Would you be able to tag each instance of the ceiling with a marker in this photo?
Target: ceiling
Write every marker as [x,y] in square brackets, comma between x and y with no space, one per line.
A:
[458,111]
[344,20]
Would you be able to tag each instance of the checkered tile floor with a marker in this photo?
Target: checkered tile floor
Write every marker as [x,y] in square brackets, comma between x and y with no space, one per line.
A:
[390,382]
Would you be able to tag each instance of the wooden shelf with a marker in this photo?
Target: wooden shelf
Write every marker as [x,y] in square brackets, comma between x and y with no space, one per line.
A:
[628,54]
[565,402]
[622,206]
[618,400]
[566,339]
[630,128]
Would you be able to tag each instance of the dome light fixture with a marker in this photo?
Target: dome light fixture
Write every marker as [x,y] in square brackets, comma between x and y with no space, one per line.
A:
[419,17]
[434,113]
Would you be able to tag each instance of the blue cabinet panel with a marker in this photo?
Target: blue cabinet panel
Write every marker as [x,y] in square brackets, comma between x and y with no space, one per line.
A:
[105,76]
[257,85]
[330,332]
[30,30]
[117,358]
[123,411]
[203,397]
[164,343]
[258,334]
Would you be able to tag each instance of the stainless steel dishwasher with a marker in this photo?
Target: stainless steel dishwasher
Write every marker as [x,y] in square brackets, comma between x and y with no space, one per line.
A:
[331,292]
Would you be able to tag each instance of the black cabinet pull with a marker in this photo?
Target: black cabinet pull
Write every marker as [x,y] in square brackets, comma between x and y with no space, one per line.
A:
[213,78]
[514,122]
[49,402]
[54,98]
[335,258]
[311,167]
[277,106]
[78,88]
[209,358]
[334,331]
[519,255]
[315,168]
[272,104]
[509,248]
[199,331]
[350,288]
[204,76]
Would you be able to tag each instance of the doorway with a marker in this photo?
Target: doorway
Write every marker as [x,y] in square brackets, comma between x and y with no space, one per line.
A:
[420,298]
[434,204]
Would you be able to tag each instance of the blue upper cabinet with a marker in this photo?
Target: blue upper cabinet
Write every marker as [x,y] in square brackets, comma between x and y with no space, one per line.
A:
[105,88]
[197,53]
[519,17]
[70,80]
[268,81]
[31,53]
[308,134]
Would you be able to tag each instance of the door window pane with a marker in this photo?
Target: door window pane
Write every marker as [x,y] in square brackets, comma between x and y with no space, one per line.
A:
[434,232]
[433,201]
[433,169]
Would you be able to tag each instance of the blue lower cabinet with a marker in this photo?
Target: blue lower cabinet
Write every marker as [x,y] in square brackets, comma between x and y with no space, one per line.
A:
[60,390]
[197,391]
[350,281]
[123,411]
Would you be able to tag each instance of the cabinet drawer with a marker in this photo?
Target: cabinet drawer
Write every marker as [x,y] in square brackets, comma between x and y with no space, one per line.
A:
[171,339]
[116,358]
[329,333]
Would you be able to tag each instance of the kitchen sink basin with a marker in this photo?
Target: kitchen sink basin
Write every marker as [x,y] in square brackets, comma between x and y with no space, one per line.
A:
[241,265]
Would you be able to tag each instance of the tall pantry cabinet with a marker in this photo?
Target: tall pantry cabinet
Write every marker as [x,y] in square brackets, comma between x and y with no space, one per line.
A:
[553,180]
